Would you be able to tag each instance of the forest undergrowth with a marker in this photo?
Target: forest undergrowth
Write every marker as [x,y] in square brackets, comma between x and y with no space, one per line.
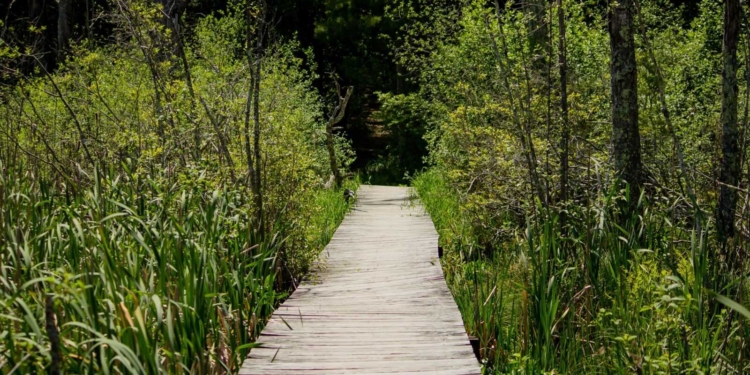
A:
[160,192]
[577,193]
[607,299]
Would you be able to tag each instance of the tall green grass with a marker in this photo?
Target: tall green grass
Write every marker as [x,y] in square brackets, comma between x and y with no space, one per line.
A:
[139,275]
[617,295]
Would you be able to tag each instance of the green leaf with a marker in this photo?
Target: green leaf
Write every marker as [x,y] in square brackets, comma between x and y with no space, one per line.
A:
[730,303]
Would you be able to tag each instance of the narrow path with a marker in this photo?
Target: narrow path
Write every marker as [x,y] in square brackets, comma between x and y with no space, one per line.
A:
[378,303]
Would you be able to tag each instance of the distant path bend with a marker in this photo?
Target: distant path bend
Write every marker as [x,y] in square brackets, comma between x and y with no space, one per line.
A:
[377,303]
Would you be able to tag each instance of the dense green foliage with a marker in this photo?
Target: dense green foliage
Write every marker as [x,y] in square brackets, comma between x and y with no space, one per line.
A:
[153,214]
[130,240]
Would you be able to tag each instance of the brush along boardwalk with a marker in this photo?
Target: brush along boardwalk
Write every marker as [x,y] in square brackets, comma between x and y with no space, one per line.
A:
[377,304]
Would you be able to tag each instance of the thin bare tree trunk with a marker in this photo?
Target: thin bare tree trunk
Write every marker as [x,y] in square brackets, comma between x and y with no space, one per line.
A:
[255,59]
[63,30]
[249,102]
[257,185]
[336,116]
[248,146]
[565,131]
[730,161]
[88,19]
[743,138]
[539,41]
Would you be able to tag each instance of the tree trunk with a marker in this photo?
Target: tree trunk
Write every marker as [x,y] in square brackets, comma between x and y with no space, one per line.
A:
[336,116]
[36,7]
[250,96]
[88,19]
[626,139]
[63,30]
[565,131]
[539,42]
[170,10]
[255,57]
[730,161]
[257,183]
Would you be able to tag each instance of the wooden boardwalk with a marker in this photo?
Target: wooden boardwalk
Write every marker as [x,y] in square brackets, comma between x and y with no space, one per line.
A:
[377,303]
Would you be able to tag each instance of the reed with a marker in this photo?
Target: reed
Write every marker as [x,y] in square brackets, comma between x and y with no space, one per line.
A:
[137,275]
[616,295]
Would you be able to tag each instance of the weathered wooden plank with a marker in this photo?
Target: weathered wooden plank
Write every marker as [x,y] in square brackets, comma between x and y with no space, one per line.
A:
[430,371]
[377,302]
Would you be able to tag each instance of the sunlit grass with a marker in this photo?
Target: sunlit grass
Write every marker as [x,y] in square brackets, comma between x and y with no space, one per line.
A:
[608,299]
[143,276]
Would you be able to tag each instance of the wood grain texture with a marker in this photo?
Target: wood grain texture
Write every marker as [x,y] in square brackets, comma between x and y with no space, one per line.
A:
[377,302]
